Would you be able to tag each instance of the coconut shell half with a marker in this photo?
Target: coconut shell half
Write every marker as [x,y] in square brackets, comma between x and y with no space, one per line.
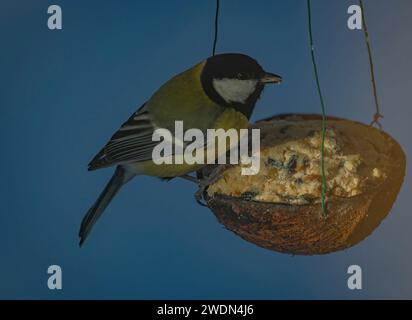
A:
[303,229]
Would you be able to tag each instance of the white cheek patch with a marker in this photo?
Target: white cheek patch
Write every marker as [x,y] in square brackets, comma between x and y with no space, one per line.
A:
[234,90]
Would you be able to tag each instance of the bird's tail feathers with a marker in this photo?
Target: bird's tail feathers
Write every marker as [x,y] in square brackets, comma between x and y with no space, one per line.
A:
[120,177]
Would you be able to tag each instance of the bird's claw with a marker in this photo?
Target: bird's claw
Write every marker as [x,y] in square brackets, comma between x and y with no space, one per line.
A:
[202,187]
[199,197]
[204,183]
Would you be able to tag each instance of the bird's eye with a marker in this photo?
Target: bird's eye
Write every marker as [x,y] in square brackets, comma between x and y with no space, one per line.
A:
[241,75]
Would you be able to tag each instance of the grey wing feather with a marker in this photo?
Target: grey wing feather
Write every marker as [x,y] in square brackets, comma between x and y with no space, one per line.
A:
[132,142]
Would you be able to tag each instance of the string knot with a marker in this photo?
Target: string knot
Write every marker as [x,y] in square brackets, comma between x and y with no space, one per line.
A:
[376,120]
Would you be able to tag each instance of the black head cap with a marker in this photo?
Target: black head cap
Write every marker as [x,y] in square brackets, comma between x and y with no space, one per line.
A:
[238,67]
[233,65]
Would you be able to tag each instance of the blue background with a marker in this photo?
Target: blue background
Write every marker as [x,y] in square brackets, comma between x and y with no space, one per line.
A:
[63,93]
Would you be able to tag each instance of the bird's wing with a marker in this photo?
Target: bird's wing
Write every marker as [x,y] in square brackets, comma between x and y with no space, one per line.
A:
[132,142]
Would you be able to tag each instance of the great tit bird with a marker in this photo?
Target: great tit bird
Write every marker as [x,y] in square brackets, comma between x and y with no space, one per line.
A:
[219,92]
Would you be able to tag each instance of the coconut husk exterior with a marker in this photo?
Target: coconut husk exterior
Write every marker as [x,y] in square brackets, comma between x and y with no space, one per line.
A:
[302,229]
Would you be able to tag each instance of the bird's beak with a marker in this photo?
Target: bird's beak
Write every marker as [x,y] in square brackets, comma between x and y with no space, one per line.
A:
[270,78]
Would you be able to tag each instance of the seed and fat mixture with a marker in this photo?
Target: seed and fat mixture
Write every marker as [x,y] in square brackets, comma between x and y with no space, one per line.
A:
[290,166]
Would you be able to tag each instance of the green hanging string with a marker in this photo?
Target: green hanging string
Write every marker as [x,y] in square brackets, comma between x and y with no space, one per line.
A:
[216,27]
[377,116]
[322,102]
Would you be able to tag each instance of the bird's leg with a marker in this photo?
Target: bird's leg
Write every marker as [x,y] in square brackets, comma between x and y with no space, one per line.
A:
[205,182]
[189,178]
